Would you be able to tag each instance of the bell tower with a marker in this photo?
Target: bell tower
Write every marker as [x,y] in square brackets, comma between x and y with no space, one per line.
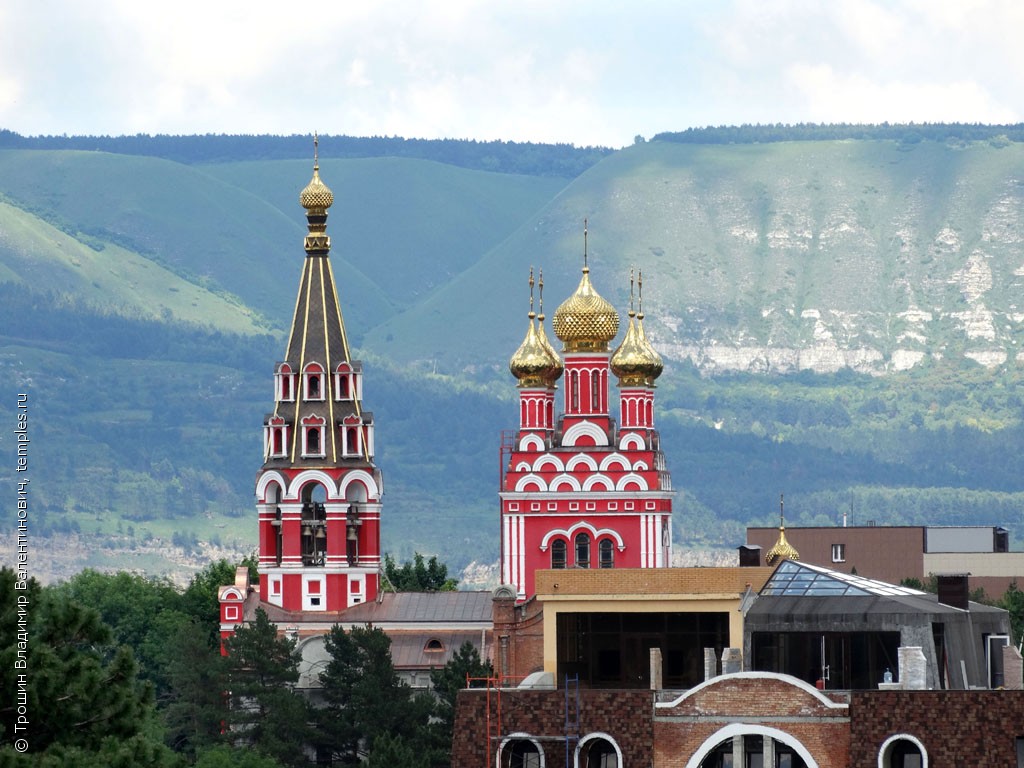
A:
[318,492]
[582,491]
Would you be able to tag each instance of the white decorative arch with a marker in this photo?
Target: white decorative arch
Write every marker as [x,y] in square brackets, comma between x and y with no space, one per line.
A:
[518,736]
[581,458]
[883,763]
[589,428]
[522,485]
[266,479]
[305,477]
[363,477]
[570,533]
[631,442]
[565,480]
[548,459]
[597,735]
[598,482]
[231,593]
[614,461]
[523,466]
[640,466]
[531,443]
[787,679]
[632,477]
[749,729]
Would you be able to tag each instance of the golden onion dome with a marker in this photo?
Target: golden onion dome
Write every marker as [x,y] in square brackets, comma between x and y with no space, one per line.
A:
[782,550]
[535,364]
[654,365]
[556,370]
[585,322]
[628,361]
[317,196]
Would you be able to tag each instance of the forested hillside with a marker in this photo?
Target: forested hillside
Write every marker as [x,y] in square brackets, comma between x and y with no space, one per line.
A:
[840,319]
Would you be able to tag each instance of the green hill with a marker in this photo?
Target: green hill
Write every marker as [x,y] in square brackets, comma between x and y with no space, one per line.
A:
[141,304]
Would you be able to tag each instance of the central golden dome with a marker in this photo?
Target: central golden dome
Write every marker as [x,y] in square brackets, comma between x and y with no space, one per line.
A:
[585,322]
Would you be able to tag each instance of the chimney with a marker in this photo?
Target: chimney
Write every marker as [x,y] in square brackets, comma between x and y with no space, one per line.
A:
[953,589]
[750,556]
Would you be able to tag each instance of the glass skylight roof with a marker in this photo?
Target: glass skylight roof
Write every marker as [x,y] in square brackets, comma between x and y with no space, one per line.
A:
[803,579]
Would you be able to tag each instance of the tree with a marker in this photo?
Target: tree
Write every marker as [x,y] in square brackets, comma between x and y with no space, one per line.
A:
[364,698]
[196,706]
[447,682]
[88,705]
[419,575]
[1013,601]
[201,601]
[266,712]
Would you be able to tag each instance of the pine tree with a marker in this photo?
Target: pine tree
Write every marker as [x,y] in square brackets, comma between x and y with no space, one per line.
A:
[364,698]
[196,707]
[266,712]
[448,681]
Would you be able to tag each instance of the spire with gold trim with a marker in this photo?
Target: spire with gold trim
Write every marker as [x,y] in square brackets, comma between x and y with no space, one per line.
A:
[782,550]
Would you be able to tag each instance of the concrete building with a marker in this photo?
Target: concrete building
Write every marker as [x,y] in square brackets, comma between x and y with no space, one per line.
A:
[893,553]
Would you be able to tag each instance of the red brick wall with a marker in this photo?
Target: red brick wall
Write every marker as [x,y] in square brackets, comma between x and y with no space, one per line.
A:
[625,716]
[523,626]
[770,702]
[955,727]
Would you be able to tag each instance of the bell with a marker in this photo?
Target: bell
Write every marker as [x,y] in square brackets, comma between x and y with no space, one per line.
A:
[321,533]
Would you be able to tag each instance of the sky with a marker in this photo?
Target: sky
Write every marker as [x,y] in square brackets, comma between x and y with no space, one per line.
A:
[586,73]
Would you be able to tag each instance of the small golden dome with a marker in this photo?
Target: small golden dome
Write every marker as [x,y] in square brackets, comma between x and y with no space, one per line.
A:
[782,550]
[585,322]
[635,362]
[317,196]
[534,363]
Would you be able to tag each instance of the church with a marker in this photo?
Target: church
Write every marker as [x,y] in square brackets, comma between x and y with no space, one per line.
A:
[604,655]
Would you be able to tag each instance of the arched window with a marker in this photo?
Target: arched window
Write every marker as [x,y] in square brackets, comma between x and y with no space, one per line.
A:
[314,524]
[313,441]
[558,553]
[607,553]
[574,389]
[521,753]
[902,752]
[582,550]
[313,376]
[597,753]
[595,392]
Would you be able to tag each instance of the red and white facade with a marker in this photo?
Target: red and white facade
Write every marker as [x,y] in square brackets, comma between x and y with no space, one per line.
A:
[581,491]
[318,493]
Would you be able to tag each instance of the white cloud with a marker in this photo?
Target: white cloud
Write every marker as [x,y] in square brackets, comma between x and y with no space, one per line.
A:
[594,72]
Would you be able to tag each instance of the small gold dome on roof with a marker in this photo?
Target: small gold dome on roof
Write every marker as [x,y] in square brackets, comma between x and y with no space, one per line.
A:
[535,363]
[782,550]
[317,196]
[585,322]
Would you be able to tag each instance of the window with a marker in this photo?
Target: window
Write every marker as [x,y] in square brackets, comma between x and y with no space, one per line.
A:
[903,752]
[582,550]
[574,389]
[607,553]
[558,554]
[838,553]
[433,646]
[521,753]
[314,381]
[313,442]
[595,391]
[285,383]
[598,753]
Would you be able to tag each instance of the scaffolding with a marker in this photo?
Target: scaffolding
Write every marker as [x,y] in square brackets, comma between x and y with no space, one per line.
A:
[493,735]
